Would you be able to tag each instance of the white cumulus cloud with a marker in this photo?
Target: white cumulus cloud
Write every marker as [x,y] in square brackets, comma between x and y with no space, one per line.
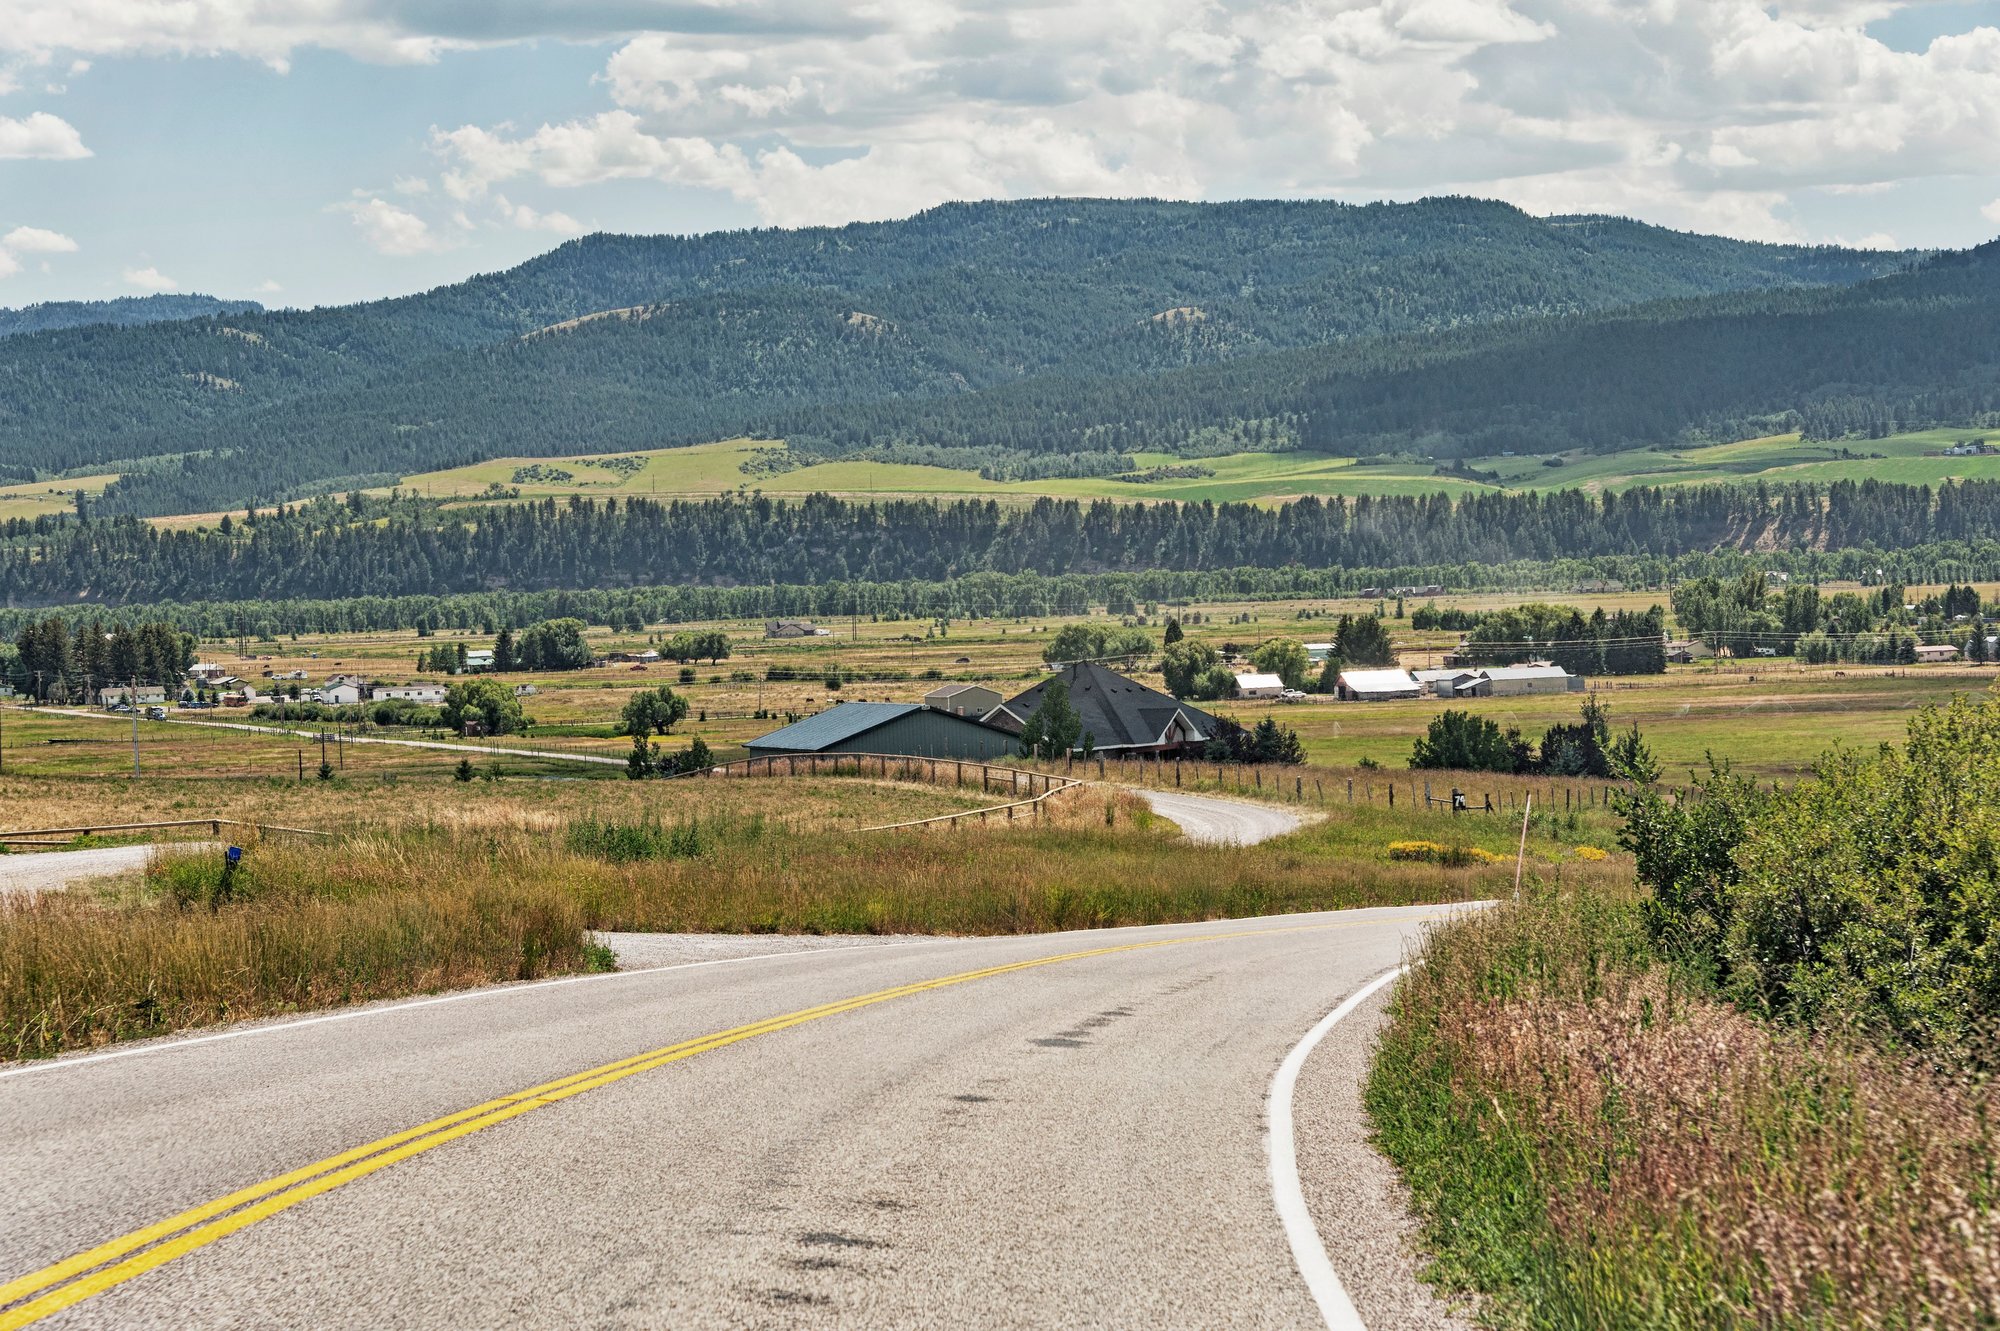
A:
[42,135]
[1991,212]
[1715,114]
[150,278]
[36,240]
[1709,114]
[391,230]
[524,218]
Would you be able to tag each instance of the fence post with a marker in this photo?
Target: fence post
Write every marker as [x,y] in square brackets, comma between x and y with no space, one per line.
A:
[1392,794]
[1177,774]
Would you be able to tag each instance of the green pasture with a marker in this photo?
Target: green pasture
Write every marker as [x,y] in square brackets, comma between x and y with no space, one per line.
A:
[717,468]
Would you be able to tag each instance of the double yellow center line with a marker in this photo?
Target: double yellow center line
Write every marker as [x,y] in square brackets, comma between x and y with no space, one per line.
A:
[40,1294]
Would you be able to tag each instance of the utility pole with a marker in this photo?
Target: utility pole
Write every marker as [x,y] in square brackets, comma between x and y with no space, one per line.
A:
[132,700]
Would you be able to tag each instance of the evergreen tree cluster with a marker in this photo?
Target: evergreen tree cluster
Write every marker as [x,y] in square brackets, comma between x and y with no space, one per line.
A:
[54,662]
[324,551]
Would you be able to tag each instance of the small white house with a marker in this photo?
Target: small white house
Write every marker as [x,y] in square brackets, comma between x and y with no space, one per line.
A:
[1259,686]
[338,695]
[146,694]
[1942,652]
[429,694]
[479,658]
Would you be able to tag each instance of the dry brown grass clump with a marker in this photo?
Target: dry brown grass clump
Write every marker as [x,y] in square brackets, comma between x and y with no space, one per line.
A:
[1597,1146]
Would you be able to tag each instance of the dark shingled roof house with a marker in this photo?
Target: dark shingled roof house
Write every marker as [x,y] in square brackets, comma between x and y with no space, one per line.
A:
[1120,715]
[906,729]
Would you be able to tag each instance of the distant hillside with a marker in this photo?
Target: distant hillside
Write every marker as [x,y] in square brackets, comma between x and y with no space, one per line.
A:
[851,335]
[1917,348]
[123,312]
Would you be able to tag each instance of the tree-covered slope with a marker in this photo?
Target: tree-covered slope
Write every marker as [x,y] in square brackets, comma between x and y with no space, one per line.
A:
[124,312]
[724,330]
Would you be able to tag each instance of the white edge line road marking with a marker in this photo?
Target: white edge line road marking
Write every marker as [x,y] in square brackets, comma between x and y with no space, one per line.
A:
[1307,1248]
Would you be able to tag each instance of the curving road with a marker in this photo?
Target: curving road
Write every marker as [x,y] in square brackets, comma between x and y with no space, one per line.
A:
[1051,1131]
[1221,821]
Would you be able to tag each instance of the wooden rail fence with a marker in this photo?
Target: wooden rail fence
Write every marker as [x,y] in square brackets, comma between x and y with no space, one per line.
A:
[35,836]
[897,767]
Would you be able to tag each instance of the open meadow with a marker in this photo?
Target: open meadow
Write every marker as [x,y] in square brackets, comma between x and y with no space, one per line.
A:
[704,470]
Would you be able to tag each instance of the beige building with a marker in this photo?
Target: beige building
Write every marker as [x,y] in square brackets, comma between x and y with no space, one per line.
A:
[969,700]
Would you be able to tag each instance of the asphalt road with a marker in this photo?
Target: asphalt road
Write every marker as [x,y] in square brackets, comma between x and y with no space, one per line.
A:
[1221,821]
[1072,1144]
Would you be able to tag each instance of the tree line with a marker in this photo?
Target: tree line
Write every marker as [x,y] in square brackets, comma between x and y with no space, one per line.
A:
[326,552]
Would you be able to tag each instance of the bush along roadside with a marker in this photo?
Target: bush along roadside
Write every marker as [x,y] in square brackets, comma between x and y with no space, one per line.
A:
[1754,1092]
[1593,1143]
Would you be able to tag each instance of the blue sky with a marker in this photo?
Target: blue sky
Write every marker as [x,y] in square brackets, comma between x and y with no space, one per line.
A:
[346,149]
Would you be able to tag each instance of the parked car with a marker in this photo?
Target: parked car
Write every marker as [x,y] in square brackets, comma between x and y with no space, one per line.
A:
[156,713]
[1292,695]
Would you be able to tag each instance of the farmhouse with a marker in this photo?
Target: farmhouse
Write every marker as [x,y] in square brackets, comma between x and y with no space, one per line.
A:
[479,658]
[208,672]
[343,694]
[902,728]
[1376,685]
[793,628]
[431,694]
[1259,686]
[962,700]
[1688,651]
[1119,715]
[140,697]
[1317,652]
[1943,652]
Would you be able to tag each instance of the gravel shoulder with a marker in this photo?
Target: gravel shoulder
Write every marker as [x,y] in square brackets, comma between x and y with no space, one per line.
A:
[1357,1199]
[48,871]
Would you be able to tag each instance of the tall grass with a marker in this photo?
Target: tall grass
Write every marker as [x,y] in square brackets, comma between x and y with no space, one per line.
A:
[475,894]
[1595,1144]
[305,930]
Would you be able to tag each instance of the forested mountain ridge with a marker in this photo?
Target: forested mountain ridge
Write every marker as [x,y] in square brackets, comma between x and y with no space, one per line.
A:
[122,311]
[378,548]
[1917,346]
[746,326]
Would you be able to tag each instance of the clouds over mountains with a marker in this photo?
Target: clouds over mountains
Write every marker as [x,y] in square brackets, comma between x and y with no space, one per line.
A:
[1712,114]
